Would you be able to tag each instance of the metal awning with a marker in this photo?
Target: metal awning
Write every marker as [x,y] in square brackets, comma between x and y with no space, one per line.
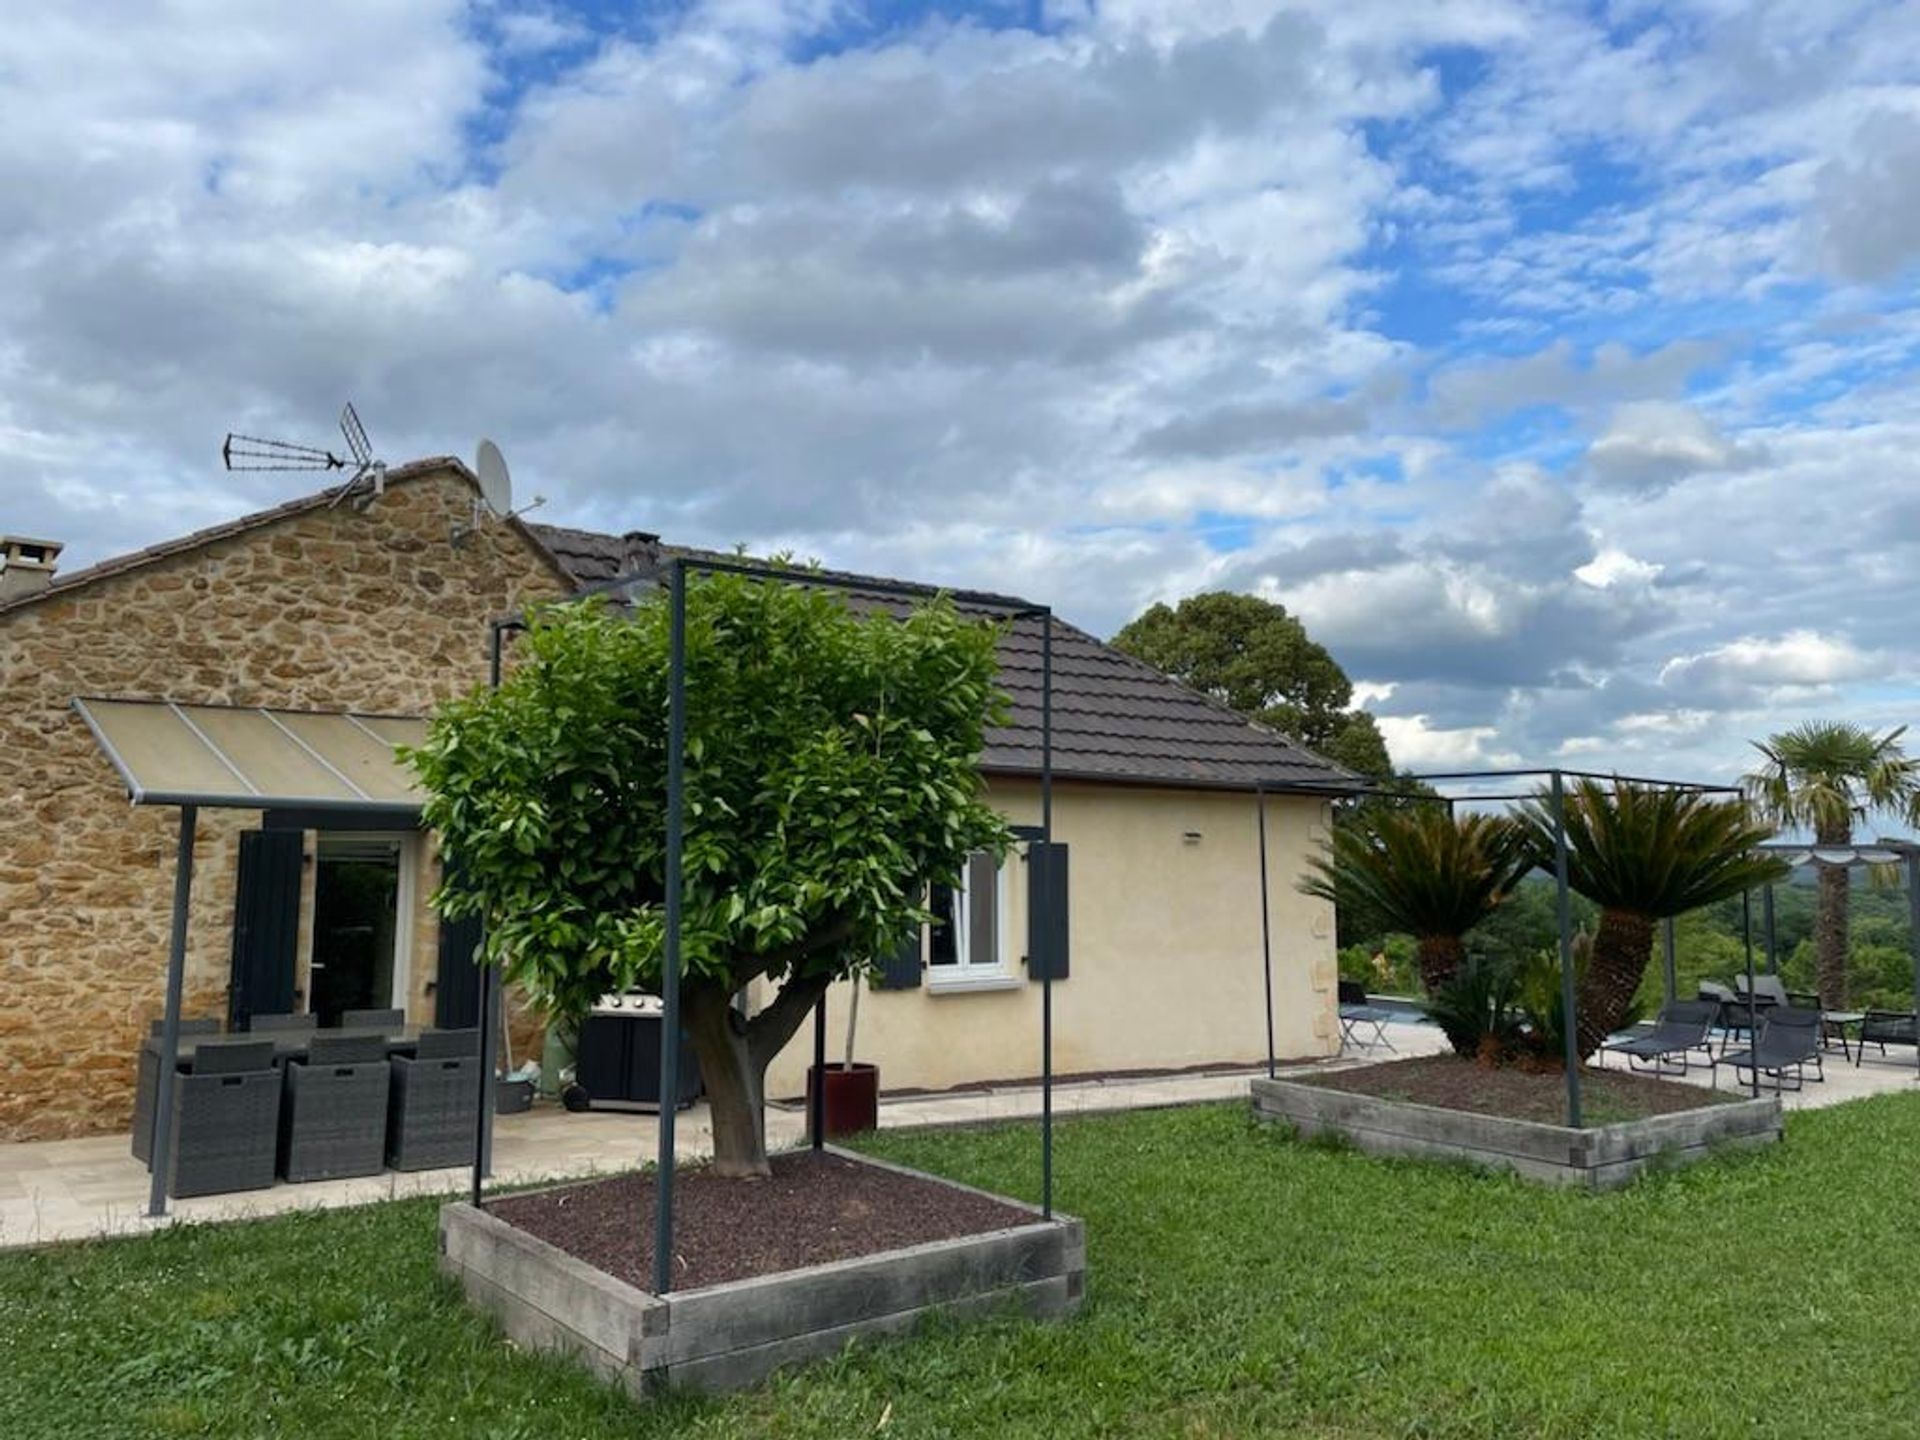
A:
[254,758]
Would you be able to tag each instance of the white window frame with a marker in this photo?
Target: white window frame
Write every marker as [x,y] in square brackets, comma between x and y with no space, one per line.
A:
[405,897]
[965,974]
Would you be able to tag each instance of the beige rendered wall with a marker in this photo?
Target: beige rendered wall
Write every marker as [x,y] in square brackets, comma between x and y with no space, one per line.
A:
[329,609]
[1166,960]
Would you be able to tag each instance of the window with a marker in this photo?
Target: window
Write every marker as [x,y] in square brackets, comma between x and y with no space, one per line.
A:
[969,944]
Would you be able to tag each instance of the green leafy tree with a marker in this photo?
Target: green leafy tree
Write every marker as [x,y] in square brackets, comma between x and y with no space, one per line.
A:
[831,777]
[1424,871]
[1254,657]
[1642,853]
[1826,777]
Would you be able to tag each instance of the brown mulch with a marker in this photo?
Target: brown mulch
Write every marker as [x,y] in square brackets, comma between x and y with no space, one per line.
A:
[814,1209]
[1447,1081]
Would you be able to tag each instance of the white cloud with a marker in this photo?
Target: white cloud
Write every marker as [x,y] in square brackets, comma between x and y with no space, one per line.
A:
[1616,567]
[1415,745]
[1651,444]
[1543,357]
[1752,665]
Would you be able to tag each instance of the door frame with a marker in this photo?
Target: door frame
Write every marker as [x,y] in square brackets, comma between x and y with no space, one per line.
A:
[405,900]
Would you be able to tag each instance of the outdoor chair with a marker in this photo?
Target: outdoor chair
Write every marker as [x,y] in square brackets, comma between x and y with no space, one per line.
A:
[1357,1010]
[1888,1027]
[434,1103]
[1789,1038]
[194,1025]
[1682,1027]
[146,1085]
[1767,990]
[1735,1018]
[373,1019]
[225,1120]
[265,1023]
[333,1113]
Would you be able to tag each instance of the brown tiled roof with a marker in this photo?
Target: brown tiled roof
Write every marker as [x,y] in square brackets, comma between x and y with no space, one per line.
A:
[1114,718]
[134,559]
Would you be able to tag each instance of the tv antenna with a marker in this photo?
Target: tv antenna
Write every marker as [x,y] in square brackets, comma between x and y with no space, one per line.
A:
[369,477]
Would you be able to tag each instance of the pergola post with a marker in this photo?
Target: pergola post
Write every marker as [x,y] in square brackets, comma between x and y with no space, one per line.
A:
[1913,937]
[1569,1002]
[162,1151]
[1053,961]
[670,963]
[1753,1009]
[1266,925]
[1670,972]
[483,1106]
[817,1096]
[1766,925]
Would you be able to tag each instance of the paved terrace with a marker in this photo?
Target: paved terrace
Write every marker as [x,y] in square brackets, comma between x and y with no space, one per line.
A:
[75,1189]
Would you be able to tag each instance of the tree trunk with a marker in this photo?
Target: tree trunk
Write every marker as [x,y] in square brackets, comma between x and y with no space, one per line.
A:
[1438,959]
[1621,948]
[735,1082]
[734,1054]
[1830,922]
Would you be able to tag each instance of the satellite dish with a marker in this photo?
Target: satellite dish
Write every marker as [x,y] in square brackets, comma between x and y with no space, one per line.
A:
[496,488]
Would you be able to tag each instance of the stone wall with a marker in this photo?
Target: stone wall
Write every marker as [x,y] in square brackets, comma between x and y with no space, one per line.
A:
[325,609]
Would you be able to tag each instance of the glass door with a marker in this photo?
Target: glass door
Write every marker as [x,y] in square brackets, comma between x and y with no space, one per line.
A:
[356,925]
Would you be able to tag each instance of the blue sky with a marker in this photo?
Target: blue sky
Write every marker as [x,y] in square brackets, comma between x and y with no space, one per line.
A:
[1554,362]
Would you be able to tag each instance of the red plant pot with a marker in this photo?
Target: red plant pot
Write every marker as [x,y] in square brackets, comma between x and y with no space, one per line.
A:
[851,1099]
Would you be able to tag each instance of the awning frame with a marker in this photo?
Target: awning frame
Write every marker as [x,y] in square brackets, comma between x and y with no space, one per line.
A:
[248,796]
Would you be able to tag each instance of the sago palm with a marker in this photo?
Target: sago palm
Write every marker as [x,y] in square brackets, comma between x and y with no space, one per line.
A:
[1643,853]
[1824,777]
[1422,871]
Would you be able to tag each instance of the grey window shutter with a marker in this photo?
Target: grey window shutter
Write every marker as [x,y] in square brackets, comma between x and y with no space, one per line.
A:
[266,925]
[1047,928]
[901,969]
[456,985]
[983,909]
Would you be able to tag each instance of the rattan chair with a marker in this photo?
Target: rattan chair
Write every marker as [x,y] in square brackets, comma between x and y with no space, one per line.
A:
[373,1019]
[265,1023]
[434,1104]
[146,1083]
[225,1120]
[333,1112]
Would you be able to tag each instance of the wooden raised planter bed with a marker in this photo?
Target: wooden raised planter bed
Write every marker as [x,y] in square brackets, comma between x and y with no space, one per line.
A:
[1597,1158]
[727,1336]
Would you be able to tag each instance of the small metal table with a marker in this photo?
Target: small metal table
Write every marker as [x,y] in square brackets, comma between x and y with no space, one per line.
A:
[1834,1025]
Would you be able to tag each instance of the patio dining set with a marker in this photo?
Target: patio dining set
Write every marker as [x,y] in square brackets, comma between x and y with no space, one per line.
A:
[1784,1032]
[286,1099]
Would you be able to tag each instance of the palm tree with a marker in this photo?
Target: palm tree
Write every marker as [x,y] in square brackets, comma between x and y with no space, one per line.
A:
[1825,777]
[1643,853]
[1423,871]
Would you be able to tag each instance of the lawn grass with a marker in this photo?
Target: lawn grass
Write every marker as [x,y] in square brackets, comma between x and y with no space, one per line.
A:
[1241,1284]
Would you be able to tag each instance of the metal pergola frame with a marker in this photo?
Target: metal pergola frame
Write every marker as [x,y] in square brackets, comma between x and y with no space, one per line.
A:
[1555,798]
[1868,853]
[677,568]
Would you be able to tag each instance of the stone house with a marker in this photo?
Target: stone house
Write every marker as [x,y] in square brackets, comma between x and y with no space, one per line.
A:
[382,607]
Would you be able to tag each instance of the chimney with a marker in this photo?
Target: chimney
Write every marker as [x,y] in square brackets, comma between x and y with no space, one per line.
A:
[639,552]
[26,566]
